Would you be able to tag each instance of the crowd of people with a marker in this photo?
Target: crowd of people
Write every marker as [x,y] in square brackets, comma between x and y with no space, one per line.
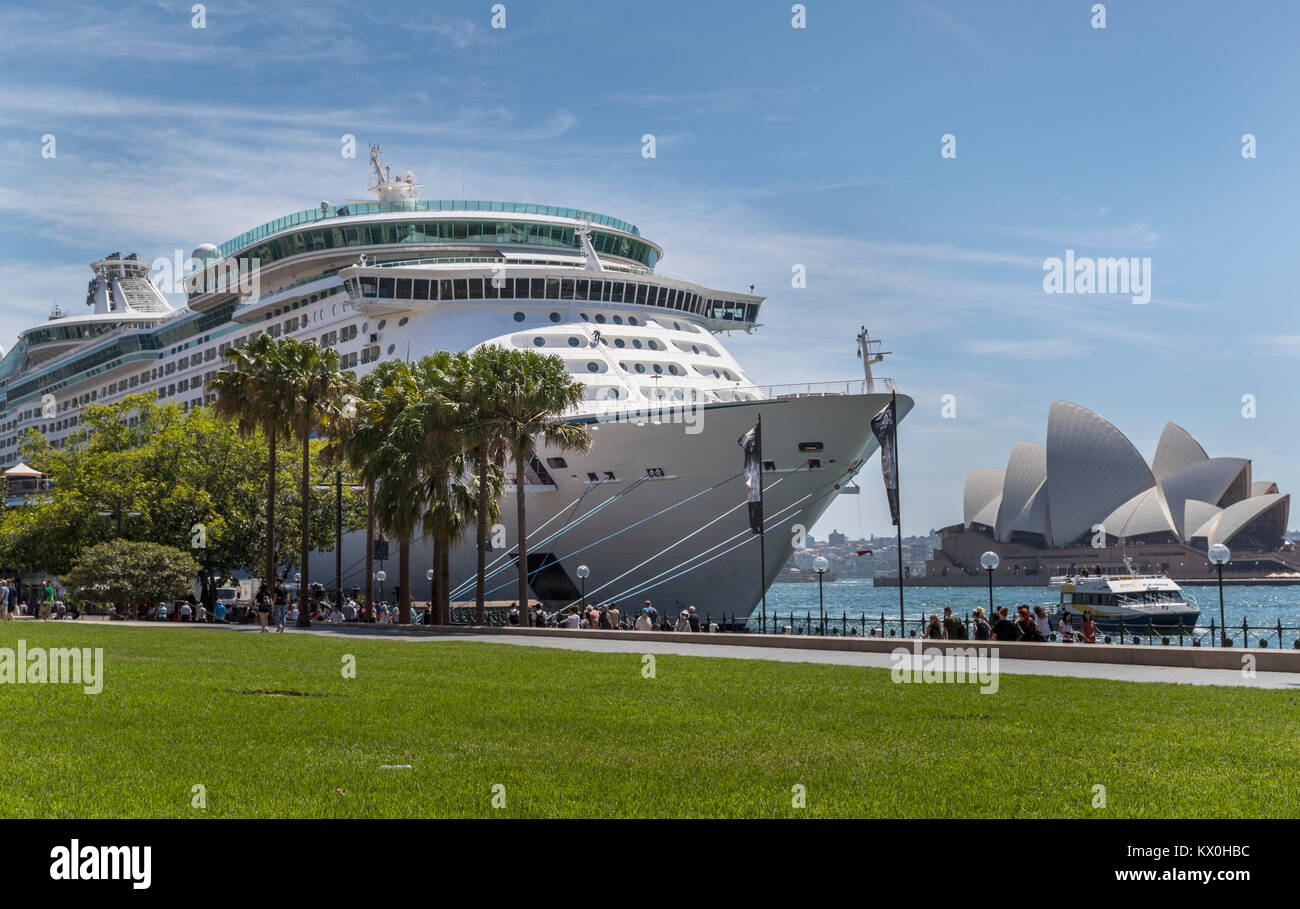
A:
[1026,626]
[44,602]
[608,616]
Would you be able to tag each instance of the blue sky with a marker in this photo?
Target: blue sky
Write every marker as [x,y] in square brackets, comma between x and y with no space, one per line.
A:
[775,146]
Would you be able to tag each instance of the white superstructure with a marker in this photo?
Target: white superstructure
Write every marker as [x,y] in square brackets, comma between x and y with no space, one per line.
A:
[655,508]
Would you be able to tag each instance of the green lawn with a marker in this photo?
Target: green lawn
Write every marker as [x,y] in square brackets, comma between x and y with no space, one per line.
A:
[271,728]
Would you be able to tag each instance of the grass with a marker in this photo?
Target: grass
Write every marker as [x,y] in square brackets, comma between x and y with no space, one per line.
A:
[269,726]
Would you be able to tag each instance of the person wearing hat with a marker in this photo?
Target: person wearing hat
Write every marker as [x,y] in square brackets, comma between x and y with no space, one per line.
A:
[654,614]
[643,620]
[683,622]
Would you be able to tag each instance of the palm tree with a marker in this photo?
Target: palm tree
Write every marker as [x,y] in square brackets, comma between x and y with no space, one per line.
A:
[541,390]
[484,378]
[313,389]
[250,392]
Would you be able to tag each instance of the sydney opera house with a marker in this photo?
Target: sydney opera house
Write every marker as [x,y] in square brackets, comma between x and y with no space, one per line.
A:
[1088,498]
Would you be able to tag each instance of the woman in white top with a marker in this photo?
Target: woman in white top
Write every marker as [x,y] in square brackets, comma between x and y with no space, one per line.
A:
[1043,625]
[1066,628]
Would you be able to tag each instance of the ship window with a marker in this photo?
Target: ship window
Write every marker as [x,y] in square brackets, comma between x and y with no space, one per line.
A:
[537,289]
[612,393]
[461,287]
[659,369]
[369,286]
[574,342]
[811,446]
[591,476]
[619,342]
[519,317]
[640,367]
[539,341]
[387,287]
[609,475]
[593,366]
[391,348]
[557,463]
[600,317]
[508,289]
[636,342]
[631,320]
[585,317]
[402,321]
[555,317]
[672,368]
[444,289]
[491,287]
[476,289]
[403,288]
[582,287]
[566,289]
[640,293]
[618,320]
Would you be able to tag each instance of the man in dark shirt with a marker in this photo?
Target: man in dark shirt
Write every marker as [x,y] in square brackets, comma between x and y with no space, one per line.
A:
[1004,629]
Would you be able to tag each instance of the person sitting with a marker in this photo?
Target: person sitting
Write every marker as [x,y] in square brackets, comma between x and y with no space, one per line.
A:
[1065,628]
[683,622]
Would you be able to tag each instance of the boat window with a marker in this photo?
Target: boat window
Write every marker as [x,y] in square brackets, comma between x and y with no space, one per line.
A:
[444,290]
[461,286]
[508,289]
[519,317]
[387,286]
[476,289]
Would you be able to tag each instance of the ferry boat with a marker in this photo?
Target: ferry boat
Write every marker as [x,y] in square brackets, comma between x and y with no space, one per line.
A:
[1134,599]
[656,507]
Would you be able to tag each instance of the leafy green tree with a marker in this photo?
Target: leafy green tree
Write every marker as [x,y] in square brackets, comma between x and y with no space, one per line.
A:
[122,571]
[484,378]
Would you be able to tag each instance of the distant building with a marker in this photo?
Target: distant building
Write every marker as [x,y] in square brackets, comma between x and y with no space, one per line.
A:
[836,538]
[1088,498]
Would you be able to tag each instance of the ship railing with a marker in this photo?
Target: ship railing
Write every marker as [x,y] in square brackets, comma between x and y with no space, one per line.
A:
[819,389]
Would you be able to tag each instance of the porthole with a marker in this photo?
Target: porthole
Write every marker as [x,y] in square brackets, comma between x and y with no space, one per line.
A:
[618,320]
[539,341]
[619,342]
[585,317]
[677,326]
[640,367]
[659,369]
[402,321]
[365,328]
[631,320]
[519,317]
[636,342]
[600,317]
[695,348]
[716,375]
[612,393]
[677,393]
[672,368]
[593,366]
[652,344]
[382,323]
[391,348]
[555,317]
[574,342]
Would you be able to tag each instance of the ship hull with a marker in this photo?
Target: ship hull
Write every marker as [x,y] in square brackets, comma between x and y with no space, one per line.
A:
[672,526]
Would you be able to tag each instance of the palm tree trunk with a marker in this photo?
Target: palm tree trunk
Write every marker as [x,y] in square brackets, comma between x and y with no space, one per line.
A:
[304,614]
[434,596]
[370,544]
[268,578]
[404,579]
[480,583]
[526,614]
[444,582]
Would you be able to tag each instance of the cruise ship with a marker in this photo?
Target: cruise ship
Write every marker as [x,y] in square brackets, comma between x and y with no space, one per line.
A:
[655,509]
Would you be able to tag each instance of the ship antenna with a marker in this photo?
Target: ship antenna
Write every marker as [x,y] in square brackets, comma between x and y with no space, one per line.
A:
[869,356]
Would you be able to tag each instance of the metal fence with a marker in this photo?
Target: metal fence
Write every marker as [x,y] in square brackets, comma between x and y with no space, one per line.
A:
[1263,635]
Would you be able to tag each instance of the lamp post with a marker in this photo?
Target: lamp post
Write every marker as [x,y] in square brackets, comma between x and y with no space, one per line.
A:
[1220,555]
[582,572]
[381,576]
[337,486]
[990,561]
[428,613]
[820,564]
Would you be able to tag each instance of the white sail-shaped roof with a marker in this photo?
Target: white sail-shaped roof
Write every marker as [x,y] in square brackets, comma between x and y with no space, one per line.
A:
[988,515]
[983,485]
[1026,471]
[1198,515]
[1237,516]
[1175,451]
[1262,487]
[1207,481]
[1034,518]
[1143,514]
[1092,469]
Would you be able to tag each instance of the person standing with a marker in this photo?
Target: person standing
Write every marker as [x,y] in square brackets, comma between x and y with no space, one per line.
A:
[643,622]
[693,618]
[683,622]
[654,614]
[615,616]
[4,601]
[953,628]
[605,623]
[278,614]
[1088,628]
[264,603]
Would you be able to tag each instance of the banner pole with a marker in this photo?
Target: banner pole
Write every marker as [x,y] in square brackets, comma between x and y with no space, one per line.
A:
[762,555]
[893,398]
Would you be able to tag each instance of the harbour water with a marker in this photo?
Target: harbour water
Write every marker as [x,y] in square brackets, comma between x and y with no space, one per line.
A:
[1258,605]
